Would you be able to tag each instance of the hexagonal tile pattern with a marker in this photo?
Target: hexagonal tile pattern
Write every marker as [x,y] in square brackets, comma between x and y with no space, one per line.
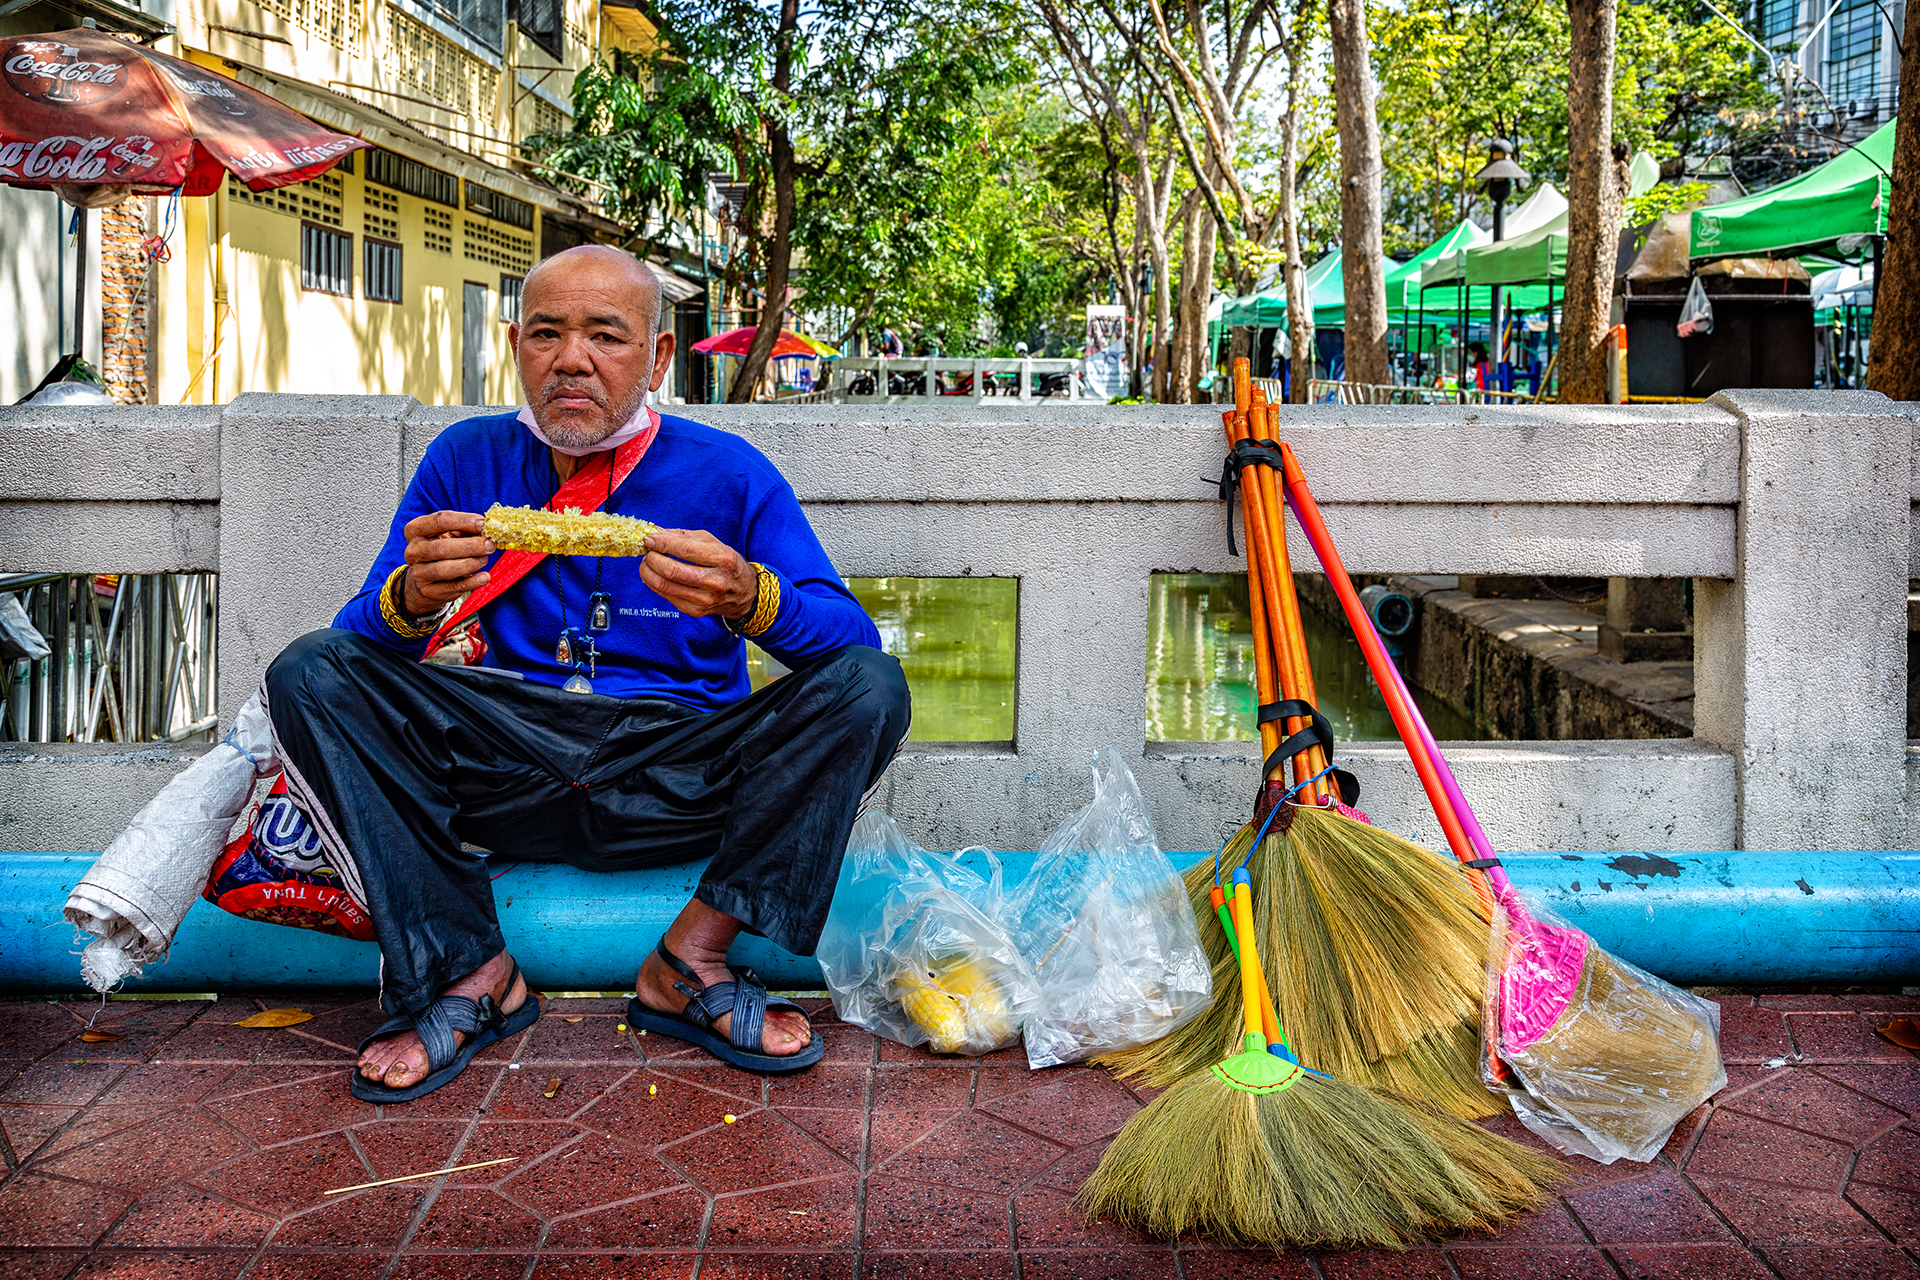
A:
[49,1212]
[176,1144]
[757,1150]
[196,1148]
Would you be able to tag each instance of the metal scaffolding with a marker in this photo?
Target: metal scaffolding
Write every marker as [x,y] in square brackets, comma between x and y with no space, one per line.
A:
[128,657]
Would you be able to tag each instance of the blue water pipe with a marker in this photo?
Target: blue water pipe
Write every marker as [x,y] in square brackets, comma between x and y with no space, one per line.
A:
[1743,917]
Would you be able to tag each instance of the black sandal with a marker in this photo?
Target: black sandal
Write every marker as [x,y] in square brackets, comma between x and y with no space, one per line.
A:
[745,998]
[481,1021]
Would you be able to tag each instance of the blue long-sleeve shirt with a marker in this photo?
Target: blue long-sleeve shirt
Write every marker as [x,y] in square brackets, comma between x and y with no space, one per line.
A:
[693,477]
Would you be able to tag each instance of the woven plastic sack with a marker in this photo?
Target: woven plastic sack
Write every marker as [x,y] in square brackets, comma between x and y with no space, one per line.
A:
[1105,922]
[1604,1058]
[913,948]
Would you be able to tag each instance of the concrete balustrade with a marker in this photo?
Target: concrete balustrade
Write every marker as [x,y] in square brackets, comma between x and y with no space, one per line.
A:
[1792,511]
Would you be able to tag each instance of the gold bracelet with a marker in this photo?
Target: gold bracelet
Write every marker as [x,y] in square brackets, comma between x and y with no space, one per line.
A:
[396,620]
[766,601]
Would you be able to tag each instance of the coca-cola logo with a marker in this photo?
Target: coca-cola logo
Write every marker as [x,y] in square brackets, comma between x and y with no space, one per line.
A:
[77,158]
[209,90]
[61,158]
[56,73]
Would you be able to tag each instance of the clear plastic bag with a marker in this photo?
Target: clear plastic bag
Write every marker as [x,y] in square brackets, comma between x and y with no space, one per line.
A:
[913,948]
[1696,313]
[1605,1058]
[1104,920]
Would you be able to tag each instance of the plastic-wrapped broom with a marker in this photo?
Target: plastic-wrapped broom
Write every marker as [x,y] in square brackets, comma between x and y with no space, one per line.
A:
[1257,1149]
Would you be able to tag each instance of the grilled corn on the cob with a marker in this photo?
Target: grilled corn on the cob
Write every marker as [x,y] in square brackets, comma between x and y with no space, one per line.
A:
[566,533]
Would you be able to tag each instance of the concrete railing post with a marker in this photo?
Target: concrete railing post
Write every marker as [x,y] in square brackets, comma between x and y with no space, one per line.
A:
[307,491]
[1800,661]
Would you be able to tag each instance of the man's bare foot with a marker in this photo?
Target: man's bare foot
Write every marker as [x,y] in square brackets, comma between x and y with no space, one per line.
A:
[700,937]
[400,1061]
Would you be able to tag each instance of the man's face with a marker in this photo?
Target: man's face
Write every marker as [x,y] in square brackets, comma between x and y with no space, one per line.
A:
[585,344]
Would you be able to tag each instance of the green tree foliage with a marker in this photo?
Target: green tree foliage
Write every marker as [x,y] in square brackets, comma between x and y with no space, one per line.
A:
[1454,73]
[644,137]
[877,113]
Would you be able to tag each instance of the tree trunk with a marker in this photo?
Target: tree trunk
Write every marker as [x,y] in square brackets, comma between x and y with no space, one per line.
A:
[1158,200]
[1895,367]
[1300,333]
[1360,214]
[773,311]
[1182,369]
[1199,341]
[1593,203]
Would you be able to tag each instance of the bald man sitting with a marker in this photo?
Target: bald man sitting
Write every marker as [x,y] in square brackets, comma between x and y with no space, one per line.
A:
[602,715]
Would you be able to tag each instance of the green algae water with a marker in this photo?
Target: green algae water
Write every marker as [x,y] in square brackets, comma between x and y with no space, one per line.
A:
[956,638]
[1200,682]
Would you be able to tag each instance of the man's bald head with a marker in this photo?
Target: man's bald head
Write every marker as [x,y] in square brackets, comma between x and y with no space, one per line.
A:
[588,342]
[598,266]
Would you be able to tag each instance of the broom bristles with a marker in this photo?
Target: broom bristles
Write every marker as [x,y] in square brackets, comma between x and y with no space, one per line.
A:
[1623,1061]
[1324,1163]
[1375,951]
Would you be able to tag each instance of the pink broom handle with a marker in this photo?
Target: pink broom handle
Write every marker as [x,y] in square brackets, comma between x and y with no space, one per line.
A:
[1497,876]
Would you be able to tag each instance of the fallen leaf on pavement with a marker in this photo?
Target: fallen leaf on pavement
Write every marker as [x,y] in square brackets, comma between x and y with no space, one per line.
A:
[1902,1031]
[582,1018]
[275,1018]
[553,1087]
[102,1037]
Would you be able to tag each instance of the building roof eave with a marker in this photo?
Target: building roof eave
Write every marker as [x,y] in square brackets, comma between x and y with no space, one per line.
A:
[110,15]
[350,115]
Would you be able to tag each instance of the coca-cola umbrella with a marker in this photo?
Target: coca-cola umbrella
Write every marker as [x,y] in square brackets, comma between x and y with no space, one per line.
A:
[96,118]
[86,109]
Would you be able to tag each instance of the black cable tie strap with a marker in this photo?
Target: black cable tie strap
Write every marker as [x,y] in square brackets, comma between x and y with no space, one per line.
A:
[1244,454]
[1318,732]
[1481,864]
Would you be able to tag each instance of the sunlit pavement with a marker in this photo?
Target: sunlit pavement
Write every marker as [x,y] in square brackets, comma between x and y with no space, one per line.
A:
[192,1147]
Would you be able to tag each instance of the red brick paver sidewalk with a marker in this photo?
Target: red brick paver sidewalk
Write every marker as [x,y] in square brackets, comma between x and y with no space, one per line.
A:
[192,1147]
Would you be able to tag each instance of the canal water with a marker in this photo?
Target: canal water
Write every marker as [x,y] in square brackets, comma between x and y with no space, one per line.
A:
[956,637]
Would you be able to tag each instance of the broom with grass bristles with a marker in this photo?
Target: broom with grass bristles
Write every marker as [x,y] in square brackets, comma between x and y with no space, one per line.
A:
[1258,1149]
[1375,947]
[1608,1058]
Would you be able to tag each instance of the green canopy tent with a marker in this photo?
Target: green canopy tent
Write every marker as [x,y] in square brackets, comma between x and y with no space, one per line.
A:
[1403,282]
[1845,196]
[1268,308]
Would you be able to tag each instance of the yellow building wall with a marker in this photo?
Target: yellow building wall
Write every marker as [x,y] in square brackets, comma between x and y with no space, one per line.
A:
[233,315]
[307,340]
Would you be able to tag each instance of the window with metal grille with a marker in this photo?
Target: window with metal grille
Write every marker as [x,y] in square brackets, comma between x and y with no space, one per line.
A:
[326,259]
[382,270]
[1778,20]
[412,177]
[1853,51]
[510,298]
[501,207]
[542,22]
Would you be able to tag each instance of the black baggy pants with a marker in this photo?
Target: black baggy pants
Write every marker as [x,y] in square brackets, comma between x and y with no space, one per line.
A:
[404,761]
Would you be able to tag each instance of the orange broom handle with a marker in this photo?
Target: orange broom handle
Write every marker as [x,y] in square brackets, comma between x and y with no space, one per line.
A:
[1262,579]
[1296,673]
[1263,665]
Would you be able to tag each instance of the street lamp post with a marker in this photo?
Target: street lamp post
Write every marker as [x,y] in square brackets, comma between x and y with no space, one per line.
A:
[1497,179]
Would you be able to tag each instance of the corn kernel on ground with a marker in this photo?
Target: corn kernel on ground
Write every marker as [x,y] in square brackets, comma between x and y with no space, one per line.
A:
[566,533]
